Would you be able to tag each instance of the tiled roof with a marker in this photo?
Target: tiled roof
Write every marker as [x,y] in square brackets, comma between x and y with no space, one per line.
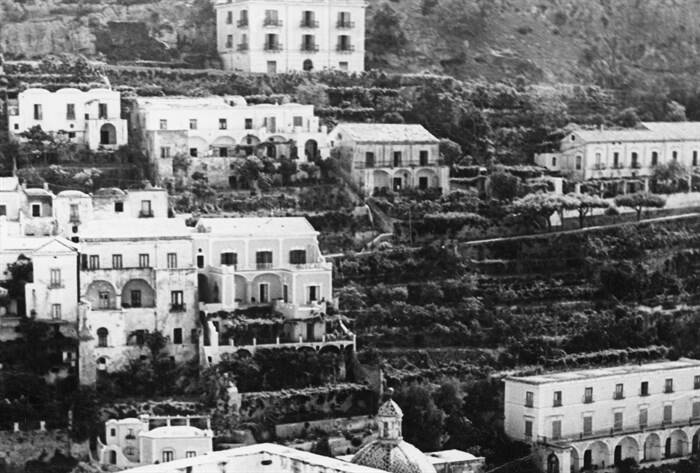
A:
[653,131]
[393,457]
[390,409]
[256,227]
[133,228]
[385,133]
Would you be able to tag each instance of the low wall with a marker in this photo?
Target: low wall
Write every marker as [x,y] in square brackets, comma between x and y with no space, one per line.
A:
[17,448]
[326,426]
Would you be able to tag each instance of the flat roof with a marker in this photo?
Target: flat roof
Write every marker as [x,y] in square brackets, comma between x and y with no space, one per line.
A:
[452,456]
[135,228]
[229,457]
[272,227]
[577,375]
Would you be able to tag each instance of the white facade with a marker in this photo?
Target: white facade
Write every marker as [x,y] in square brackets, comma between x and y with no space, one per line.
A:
[137,276]
[276,36]
[598,417]
[390,156]
[213,132]
[92,117]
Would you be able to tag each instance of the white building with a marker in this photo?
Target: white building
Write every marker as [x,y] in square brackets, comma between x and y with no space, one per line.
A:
[147,440]
[627,155]
[91,117]
[137,276]
[272,36]
[213,132]
[383,156]
[598,417]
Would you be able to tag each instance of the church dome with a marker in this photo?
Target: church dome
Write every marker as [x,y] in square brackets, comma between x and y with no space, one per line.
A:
[389,452]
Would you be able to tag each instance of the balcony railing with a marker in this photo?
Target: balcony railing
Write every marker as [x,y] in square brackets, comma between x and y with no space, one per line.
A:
[272,22]
[263,265]
[600,166]
[618,395]
[309,48]
[345,48]
[177,307]
[146,214]
[588,400]
[242,47]
[56,285]
[309,24]
[556,403]
[242,23]
[272,48]
[75,219]
[345,24]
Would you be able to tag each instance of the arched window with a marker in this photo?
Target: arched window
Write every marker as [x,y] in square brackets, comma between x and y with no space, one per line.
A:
[102,334]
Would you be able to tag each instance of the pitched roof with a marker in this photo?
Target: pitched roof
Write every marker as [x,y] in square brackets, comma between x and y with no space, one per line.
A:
[256,227]
[386,132]
[135,228]
[652,131]
[389,409]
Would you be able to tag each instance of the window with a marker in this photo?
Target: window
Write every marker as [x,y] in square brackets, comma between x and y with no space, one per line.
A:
[223,152]
[74,213]
[168,456]
[313,293]
[308,19]
[70,111]
[644,389]
[177,336]
[172,260]
[263,259]
[229,17]
[194,336]
[587,425]
[297,257]
[528,428]
[308,43]
[193,152]
[163,124]
[243,18]
[617,421]
[135,298]
[369,159]
[674,155]
[38,115]
[272,43]
[102,111]
[654,158]
[200,261]
[71,134]
[118,207]
[117,261]
[146,210]
[55,278]
[272,67]
[298,121]
[557,399]
[588,395]
[177,299]
[164,152]
[616,160]
[102,335]
[423,157]
[144,260]
[668,385]
[578,163]
[56,311]
[344,20]
[36,210]
[222,124]
[112,432]
[397,158]
[668,413]
[264,290]
[193,123]
[696,410]
[103,301]
[554,161]
[3,210]
[248,123]
[271,18]
[556,429]
[229,258]
[529,399]
[344,43]
[619,392]
[635,160]
[643,417]
[343,66]
[695,157]
[94,262]
[190,454]
[285,293]
[696,382]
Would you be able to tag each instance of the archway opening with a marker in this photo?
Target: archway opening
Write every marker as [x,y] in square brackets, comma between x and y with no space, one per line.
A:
[652,448]
[308,65]
[108,134]
[552,463]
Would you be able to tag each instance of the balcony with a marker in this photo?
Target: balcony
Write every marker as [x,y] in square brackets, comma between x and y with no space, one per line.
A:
[345,48]
[178,307]
[272,48]
[56,285]
[345,24]
[600,166]
[74,219]
[242,47]
[146,214]
[309,48]
[263,266]
[309,24]
[588,400]
[617,396]
[556,403]
[242,23]
[272,22]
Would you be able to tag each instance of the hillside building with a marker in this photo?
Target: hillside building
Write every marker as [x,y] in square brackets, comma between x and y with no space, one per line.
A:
[137,276]
[276,36]
[382,156]
[211,134]
[595,418]
[92,117]
[624,160]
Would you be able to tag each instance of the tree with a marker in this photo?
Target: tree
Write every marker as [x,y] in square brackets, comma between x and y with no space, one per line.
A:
[639,201]
[627,118]
[423,421]
[675,112]
[538,208]
[585,203]
[450,151]
[504,185]
[668,176]
[287,169]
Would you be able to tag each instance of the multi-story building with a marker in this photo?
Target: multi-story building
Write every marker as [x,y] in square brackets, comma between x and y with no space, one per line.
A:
[271,36]
[627,156]
[137,276]
[91,117]
[212,133]
[258,263]
[28,210]
[382,156]
[595,418]
[147,440]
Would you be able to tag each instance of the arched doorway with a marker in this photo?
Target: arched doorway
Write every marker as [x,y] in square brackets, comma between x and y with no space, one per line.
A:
[676,444]
[696,443]
[627,448]
[652,448]
[112,457]
[308,65]
[311,150]
[552,463]
[108,134]
[596,455]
